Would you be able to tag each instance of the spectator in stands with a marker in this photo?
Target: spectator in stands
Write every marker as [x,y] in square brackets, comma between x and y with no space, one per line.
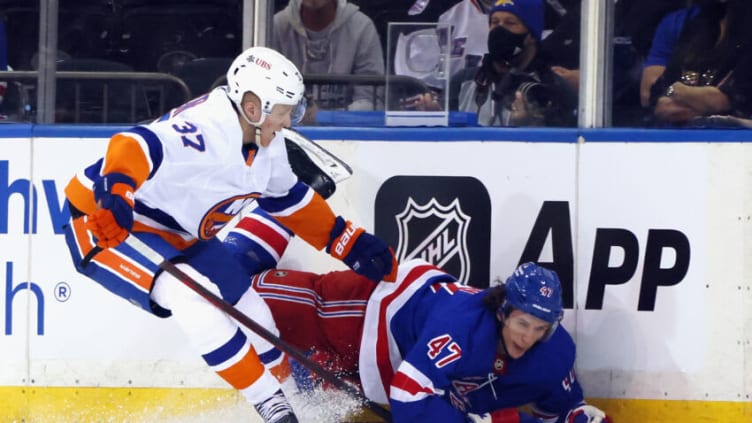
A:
[468,43]
[710,69]
[634,25]
[469,19]
[513,58]
[664,40]
[331,37]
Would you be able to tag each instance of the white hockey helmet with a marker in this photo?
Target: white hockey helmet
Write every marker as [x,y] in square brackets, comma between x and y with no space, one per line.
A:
[271,77]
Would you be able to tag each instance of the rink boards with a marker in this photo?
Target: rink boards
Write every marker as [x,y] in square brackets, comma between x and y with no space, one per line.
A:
[648,231]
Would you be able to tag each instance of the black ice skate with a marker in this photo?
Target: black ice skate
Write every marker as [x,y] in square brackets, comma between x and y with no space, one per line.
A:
[276,409]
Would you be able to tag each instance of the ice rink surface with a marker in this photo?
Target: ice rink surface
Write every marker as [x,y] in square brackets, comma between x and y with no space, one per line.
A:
[318,406]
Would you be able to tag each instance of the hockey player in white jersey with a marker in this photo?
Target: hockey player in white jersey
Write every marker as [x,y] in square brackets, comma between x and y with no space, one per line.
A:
[174,183]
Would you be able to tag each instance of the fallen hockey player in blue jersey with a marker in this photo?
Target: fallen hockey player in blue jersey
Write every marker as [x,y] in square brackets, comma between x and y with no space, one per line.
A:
[431,348]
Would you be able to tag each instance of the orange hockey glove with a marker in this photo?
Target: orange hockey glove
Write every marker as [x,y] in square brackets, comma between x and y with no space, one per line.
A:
[113,220]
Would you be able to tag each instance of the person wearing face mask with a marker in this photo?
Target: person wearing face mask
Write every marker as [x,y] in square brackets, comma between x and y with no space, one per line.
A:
[174,183]
[709,71]
[331,37]
[513,57]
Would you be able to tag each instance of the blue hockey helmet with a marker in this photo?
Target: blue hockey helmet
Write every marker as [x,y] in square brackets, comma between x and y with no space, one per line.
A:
[534,290]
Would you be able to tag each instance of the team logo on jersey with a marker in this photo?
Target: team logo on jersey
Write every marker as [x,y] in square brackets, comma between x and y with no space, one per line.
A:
[218,216]
[462,387]
[500,365]
[441,219]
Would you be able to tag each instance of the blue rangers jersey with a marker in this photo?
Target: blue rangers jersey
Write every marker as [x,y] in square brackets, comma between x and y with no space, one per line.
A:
[435,354]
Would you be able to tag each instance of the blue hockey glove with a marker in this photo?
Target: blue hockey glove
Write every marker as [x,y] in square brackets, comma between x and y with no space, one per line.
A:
[364,253]
[113,220]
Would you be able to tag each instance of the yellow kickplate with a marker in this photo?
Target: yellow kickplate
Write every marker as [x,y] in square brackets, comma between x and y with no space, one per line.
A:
[101,405]
[19,404]
[638,411]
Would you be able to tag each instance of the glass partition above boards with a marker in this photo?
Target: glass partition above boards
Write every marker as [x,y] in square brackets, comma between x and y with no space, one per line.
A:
[659,64]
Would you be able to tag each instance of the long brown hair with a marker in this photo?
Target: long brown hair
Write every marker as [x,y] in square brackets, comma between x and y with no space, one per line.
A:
[495,297]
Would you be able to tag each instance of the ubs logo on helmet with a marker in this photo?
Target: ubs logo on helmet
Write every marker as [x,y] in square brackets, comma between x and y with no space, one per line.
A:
[258,61]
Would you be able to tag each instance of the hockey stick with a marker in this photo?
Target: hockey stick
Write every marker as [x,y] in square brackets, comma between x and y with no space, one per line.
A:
[246,321]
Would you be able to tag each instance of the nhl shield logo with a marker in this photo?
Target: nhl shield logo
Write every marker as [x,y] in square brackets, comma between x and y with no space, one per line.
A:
[444,220]
[436,233]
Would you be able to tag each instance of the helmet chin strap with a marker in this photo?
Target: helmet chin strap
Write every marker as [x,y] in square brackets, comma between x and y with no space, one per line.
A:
[256,125]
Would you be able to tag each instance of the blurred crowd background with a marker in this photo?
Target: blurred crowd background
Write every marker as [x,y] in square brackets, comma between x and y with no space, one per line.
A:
[675,63]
